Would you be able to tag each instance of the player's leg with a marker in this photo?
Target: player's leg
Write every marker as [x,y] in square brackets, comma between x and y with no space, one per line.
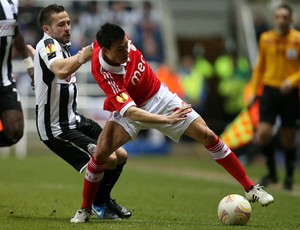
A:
[11,117]
[13,127]
[76,149]
[264,138]
[103,200]
[121,211]
[195,127]
[288,143]
[289,116]
[268,111]
[111,138]
[104,207]
[99,206]
[220,152]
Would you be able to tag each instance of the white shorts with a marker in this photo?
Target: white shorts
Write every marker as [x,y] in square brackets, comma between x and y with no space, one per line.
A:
[164,102]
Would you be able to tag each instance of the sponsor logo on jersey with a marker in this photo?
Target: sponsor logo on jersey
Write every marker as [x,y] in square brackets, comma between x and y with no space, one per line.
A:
[138,73]
[122,97]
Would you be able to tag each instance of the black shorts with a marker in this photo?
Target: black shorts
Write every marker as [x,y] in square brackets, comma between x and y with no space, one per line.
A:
[9,98]
[273,103]
[76,146]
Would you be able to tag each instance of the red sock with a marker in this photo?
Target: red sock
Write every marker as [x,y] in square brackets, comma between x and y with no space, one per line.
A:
[93,176]
[232,164]
[223,155]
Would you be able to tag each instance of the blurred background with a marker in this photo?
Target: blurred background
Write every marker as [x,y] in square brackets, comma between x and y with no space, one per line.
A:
[203,49]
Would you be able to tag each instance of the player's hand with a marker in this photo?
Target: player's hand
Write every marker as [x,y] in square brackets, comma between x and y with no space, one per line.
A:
[84,54]
[179,114]
[31,50]
[286,86]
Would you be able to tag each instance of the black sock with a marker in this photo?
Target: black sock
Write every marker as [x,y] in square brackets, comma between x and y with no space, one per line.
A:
[290,161]
[269,152]
[108,181]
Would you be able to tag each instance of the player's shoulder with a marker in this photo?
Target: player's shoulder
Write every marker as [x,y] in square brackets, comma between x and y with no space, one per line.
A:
[48,43]
[270,34]
[95,55]
[295,33]
[96,46]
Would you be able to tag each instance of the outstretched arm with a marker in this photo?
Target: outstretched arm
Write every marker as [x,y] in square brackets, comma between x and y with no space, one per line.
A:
[137,114]
[64,67]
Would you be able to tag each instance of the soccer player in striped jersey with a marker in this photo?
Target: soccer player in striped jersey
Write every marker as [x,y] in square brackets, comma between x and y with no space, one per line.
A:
[62,129]
[11,113]
[138,100]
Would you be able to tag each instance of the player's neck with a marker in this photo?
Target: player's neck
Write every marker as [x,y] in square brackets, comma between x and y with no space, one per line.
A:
[282,32]
[108,61]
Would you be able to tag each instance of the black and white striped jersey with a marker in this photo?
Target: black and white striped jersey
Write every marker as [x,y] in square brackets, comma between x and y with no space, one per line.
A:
[8,22]
[56,99]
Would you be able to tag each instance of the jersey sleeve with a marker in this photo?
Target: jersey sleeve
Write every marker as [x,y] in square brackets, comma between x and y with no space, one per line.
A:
[259,69]
[50,51]
[117,97]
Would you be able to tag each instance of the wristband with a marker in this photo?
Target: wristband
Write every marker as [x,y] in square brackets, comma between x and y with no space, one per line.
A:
[28,62]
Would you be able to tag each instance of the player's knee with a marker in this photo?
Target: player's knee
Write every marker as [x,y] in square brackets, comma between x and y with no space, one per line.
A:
[121,155]
[12,135]
[101,154]
[112,161]
[209,137]
[263,138]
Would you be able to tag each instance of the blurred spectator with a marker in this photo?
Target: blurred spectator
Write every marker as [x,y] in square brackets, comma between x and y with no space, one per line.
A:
[193,71]
[121,13]
[91,17]
[147,36]
[171,79]
[28,21]
[79,37]
[148,39]
[233,72]
[148,12]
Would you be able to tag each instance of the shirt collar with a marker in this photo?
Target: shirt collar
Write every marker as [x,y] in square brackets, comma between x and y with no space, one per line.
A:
[66,46]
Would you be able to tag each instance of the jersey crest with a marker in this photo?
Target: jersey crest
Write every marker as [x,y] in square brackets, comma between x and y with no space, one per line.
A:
[122,97]
[50,48]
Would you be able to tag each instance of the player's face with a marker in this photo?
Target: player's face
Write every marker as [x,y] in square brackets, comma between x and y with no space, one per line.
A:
[60,28]
[282,19]
[118,52]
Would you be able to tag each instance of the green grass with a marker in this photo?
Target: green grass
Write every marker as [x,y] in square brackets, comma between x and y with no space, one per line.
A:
[163,192]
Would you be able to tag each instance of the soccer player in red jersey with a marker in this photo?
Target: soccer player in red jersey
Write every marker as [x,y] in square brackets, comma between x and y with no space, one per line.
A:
[138,100]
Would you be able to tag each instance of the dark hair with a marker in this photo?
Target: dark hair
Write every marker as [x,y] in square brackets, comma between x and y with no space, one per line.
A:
[108,34]
[287,7]
[45,14]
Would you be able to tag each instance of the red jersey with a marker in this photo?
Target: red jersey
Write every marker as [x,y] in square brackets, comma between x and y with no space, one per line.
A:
[131,83]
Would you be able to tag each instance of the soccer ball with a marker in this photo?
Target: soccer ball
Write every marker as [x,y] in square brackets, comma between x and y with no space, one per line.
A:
[234,209]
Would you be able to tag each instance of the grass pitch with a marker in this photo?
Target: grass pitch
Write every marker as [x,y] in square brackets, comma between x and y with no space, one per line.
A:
[163,192]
